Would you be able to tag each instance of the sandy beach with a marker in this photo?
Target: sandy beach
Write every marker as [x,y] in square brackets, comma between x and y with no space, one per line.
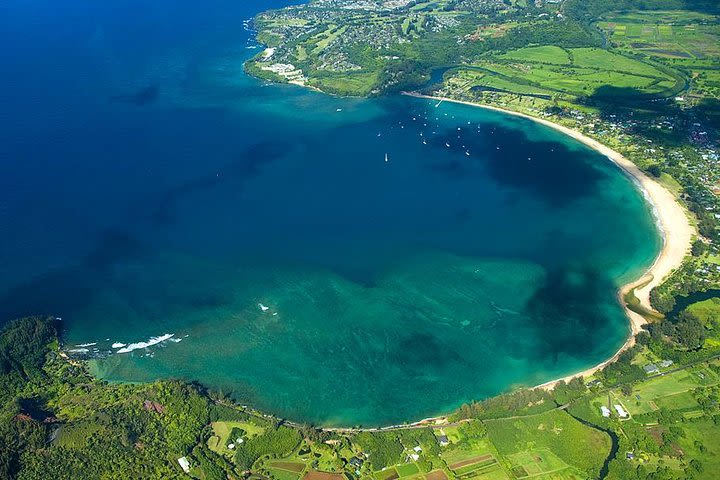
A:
[671,219]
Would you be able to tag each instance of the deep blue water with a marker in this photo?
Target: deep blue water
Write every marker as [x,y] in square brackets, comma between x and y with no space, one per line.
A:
[149,187]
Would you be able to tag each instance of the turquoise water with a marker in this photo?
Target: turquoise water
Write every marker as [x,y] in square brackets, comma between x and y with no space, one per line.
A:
[151,189]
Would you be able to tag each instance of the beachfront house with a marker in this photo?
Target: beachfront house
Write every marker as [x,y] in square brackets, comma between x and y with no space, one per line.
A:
[443,440]
[620,411]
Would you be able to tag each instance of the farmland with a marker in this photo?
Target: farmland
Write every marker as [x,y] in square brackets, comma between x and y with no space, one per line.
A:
[554,72]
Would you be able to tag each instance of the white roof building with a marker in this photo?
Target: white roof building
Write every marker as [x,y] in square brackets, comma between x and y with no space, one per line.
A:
[605,411]
[184,464]
[621,411]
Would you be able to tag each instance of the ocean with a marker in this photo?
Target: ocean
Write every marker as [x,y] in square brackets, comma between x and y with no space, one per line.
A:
[330,260]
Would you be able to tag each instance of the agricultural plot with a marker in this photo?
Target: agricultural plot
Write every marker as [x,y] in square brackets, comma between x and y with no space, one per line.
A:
[387,474]
[468,451]
[550,71]
[541,463]
[544,54]
[473,467]
[665,34]
[407,469]
[575,444]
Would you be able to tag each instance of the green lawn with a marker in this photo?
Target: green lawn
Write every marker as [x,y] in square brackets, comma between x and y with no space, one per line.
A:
[221,432]
[407,469]
[543,54]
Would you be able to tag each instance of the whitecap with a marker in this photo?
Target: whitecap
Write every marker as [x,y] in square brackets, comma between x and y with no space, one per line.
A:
[118,345]
[151,341]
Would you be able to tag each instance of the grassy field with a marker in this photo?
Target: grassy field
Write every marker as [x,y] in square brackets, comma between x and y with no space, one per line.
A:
[671,391]
[541,463]
[221,431]
[549,71]
[570,441]
[702,441]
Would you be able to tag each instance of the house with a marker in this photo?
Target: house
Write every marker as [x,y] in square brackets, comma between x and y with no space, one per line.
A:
[417,449]
[629,455]
[620,411]
[651,368]
[666,363]
[605,411]
[443,440]
[415,457]
[356,462]
[184,464]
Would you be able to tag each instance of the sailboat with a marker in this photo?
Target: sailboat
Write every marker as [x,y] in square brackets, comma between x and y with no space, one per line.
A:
[386,158]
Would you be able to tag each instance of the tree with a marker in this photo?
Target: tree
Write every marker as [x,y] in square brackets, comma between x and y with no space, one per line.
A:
[654,170]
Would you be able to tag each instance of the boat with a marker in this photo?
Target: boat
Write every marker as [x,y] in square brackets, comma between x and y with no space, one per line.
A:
[386,158]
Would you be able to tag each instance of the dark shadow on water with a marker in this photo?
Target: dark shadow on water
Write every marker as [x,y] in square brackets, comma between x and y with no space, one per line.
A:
[142,97]
[111,247]
[549,170]
[72,288]
[565,311]
[418,353]
[242,168]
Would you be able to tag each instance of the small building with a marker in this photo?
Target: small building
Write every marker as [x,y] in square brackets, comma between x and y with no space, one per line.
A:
[356,462]
[605,411]
[417,449]
[443,440]
[415,457]
[629,455]
[651,368]
[593,383]
[620,411]
[184,464]
[666,363]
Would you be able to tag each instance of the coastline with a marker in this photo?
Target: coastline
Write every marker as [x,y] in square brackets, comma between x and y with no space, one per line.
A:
[670,219]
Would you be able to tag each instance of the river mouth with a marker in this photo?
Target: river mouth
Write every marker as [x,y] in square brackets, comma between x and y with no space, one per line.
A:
[335,261]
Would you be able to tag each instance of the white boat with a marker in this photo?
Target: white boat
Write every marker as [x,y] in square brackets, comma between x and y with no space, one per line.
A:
[447,144]
[386,158]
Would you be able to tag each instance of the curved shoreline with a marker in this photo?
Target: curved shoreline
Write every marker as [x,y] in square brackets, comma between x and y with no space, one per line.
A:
[670,219]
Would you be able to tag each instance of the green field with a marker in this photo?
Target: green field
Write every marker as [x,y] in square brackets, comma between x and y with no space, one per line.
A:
[549,71]
[541,463]
[221,432]
[570,441]
[670,391]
